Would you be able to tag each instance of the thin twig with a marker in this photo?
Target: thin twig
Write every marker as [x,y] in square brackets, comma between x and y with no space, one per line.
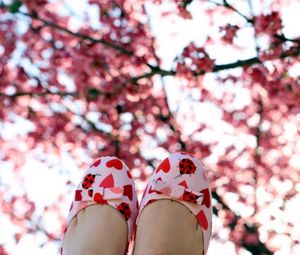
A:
[257,153]
[39,94]
[257,48]
[230,7]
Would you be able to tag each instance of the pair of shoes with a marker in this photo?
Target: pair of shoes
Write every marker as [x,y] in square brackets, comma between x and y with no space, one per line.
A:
[179,177]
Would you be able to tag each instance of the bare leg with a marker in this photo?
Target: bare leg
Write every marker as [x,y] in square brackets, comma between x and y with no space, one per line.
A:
[167,227]
[96,230]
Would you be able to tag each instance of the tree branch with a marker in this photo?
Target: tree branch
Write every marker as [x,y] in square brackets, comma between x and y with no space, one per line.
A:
[45,93]
[238,63]
[230,7]
[256,249]
[169,118]
[157,70]
[285,39]
[257,153]
[79,35]
[186,3]
[257,48]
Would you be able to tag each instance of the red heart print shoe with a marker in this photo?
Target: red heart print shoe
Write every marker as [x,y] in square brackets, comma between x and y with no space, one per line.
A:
[107,181]
[182,177]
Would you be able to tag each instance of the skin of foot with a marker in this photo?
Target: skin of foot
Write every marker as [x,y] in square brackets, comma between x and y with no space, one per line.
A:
[166,227]
[96,230]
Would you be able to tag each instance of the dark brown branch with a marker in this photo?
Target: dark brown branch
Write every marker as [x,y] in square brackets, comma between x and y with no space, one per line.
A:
[227,5]
[283,38]
[257,152]
[157,70]
[230,7]
[45,93]
[186,3]
[76,34]
[169,118]
[257,47]
[146,75]
[238,63]
[258,128]
[256,249]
